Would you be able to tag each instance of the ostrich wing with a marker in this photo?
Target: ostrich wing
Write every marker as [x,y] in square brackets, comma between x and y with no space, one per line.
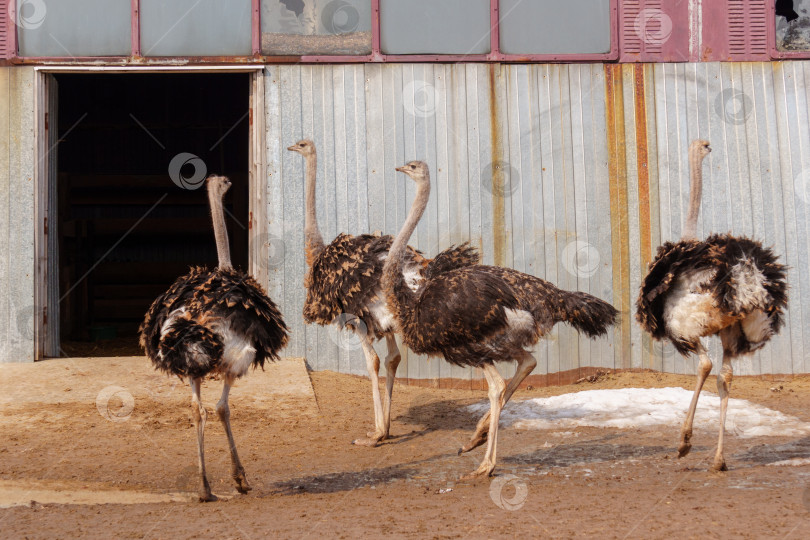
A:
[452,258]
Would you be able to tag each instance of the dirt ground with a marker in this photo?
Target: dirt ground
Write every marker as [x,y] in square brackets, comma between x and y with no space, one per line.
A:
[309,481]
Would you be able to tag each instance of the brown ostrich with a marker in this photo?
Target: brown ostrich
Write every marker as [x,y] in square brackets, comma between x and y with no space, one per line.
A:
[343,287]
[725,285]
[479,315]
[213,322]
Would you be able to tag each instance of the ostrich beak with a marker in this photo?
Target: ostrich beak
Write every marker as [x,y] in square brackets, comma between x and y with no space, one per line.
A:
[401,169]
[291,148]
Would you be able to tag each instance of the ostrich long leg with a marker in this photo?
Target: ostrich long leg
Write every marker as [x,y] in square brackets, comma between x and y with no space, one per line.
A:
[496,389]
[391,365]
[704,368]
[199,414]
[723,386]
[224,413]
[373,366]
[526,363]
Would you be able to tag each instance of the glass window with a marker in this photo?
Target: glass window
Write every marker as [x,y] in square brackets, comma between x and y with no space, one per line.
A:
[555,27]
[196,28]
[793,25]
[74,27]
[435,26]
[316,27]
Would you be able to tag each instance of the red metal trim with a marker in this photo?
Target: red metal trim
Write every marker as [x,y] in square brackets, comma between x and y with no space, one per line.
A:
[494,29]
[256,27]
[136,28]
[376,53]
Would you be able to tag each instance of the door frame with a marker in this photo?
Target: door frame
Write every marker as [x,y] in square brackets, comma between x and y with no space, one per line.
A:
[46,281]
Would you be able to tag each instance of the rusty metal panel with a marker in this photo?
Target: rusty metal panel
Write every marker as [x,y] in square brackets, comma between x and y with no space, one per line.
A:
[519,167]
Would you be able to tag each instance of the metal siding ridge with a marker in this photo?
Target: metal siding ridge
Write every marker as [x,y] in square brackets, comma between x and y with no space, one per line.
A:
[618,210]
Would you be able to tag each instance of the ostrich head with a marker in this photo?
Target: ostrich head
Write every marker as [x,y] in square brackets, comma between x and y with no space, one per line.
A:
[417,170]
[304,147]
[700,147]
[218,185]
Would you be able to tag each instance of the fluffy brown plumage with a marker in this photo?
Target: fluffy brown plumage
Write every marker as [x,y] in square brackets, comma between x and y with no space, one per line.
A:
[344,287]
[728,286]
[478,315]
[723,255]
[204,301]
[213,321]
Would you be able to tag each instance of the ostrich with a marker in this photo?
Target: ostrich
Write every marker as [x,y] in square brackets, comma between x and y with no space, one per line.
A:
[725,285]
[213,322]
[478,315]
[343,286]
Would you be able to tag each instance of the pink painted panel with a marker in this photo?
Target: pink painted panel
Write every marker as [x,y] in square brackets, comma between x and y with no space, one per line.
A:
[8,45]
[735,30]
[654,30]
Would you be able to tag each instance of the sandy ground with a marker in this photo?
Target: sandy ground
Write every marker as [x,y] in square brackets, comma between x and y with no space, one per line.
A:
[137,452]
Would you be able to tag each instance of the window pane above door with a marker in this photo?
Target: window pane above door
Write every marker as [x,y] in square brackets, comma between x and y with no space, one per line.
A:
[195,28]
[72,28]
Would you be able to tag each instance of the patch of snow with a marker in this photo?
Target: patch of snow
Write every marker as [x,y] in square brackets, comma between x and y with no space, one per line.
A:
[795,462]
[644,407]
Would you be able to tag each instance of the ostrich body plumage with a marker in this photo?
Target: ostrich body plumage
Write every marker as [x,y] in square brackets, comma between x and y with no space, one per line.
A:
[726,284]
[212,321]
[478,315]
[344,287]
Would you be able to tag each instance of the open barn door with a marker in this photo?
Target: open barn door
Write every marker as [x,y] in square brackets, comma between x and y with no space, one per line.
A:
[46,283]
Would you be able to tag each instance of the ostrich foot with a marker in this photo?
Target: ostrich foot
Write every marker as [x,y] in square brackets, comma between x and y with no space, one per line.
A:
[477,440]
[372,440]
[208,497]
[719,464]
[373,435]
[242,485]
[484,470]
[685,445]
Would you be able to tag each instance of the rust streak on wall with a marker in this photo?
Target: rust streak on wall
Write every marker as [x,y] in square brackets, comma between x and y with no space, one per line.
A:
[498,196]
[620,231]
[642,161]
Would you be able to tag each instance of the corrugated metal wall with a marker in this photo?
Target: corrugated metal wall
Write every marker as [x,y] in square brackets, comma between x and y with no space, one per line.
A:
[17,164]
[594,158]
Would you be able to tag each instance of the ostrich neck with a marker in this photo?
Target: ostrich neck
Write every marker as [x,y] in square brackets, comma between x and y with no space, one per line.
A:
[695,193]
[312,235]
[220,230]
[392,270]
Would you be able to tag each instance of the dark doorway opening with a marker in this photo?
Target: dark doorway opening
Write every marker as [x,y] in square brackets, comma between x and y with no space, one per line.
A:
[132,207]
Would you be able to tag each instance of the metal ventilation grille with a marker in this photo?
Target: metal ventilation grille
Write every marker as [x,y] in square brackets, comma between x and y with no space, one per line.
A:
[5,30]
[747,29]
[653,31]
